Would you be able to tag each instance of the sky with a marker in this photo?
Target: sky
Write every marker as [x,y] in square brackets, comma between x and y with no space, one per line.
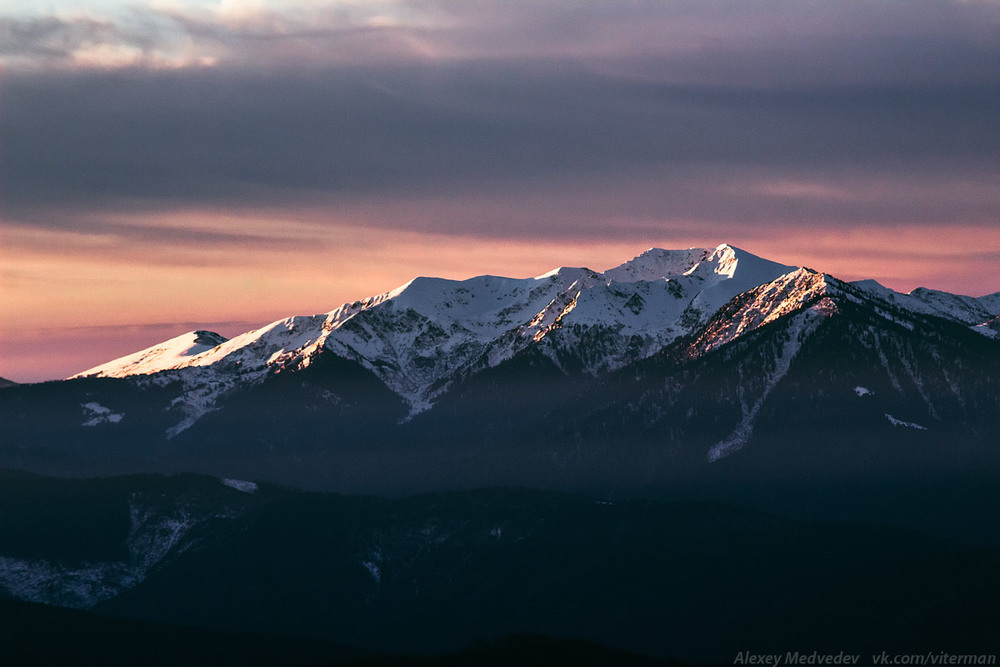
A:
[167,165]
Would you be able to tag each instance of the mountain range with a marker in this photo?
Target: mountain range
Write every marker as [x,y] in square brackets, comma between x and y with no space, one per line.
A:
[695,453]
[673,360]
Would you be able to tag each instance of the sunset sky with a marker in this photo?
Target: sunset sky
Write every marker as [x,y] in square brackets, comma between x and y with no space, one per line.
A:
[167,165]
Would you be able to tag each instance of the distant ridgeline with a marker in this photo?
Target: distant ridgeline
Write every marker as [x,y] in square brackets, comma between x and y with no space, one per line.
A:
[269,575]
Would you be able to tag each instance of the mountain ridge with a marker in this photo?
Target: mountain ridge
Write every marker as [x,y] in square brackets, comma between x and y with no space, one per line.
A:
[422,294]
[653,265]
[421,335]
[415,336]
[669,362]
[344,568]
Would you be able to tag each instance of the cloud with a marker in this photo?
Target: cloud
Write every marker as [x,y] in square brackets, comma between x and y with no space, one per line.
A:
[521,139]
[79,41]
[271,102]
[756,42]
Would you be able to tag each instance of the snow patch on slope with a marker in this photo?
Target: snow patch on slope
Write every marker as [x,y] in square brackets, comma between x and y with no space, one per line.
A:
[152,537]
[900,422]
[96,414]
[240,485]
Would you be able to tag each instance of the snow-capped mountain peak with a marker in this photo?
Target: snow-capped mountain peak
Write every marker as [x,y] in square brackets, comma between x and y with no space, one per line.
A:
[658,264]
[168,354]
[722,262]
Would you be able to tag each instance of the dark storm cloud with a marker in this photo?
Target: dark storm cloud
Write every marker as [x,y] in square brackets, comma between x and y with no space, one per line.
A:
[215,138]
[704,41]
[693,111]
